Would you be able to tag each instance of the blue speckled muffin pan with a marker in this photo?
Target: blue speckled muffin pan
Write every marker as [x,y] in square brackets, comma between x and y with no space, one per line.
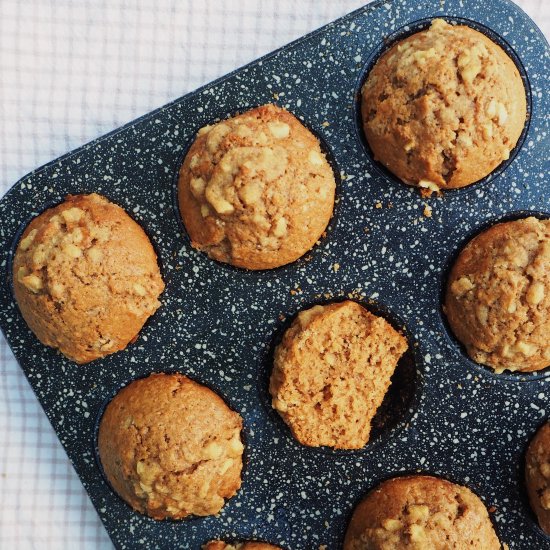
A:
[446,415]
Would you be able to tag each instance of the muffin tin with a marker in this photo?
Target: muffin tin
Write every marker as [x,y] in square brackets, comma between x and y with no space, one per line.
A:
[219,324]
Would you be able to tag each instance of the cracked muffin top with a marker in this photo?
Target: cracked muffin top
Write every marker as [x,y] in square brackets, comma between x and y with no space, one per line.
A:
[254,545]
[86,278]
[537,476]
[331,372]
[444,107]
[171,447]
[498,296]
[420,513]
[255,190]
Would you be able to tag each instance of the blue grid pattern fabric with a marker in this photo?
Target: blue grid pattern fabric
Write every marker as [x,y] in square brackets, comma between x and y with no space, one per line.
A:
[72,71]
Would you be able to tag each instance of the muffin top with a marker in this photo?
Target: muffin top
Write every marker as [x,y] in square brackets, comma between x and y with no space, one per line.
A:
[498,296]
[171,447]
[444,107]
[420,513]
[255,545]
[331,372]
[537,475]
[255,190]
[86,277]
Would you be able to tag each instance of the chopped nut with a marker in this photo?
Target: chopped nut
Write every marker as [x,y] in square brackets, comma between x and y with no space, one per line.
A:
[280,227]
[469,65]
[72,215]
[280,130]
[545,499]
[487,130]
[32,282]
[57,290]
[72,251]
[535,293]
[502,114]
[194,162]
[39,257]
[315,158]
[545,469]
[482,314]
[279,405]
[525,349]
[461,286]
[417,533]
[205,211]
[251,193]
[226,464]
[212,451]
[197,186]
[409,145]
[21,272]
[95,254]
[213,194]
[418,512]
[236,447]
[139,290]
[391,524]
[215,136]
[27,241]
[427,184]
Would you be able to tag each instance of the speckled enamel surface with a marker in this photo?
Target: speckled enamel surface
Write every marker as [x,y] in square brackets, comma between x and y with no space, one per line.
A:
[218,324]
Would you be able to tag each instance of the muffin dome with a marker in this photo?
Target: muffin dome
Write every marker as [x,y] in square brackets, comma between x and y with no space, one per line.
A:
[86,277]
[171,447]
[331,372]
[444,107]
[498,296]
[255,190]
[420,512]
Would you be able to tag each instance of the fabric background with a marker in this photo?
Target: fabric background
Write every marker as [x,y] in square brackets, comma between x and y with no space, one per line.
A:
[71,71]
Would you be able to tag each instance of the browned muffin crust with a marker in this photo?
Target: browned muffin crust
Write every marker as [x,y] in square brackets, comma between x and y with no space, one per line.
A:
[444,107]
[420,513]
[171,447]
[255,190]
[498,296]
[220,545]
[86,277]
[537,476]
[331,372]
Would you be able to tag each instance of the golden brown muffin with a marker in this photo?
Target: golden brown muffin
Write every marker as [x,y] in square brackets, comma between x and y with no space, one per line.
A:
[537,476]
[443,107]
[86,277]
[255,190]
[331,372]
[498,296]
[220,545]
[420,513]
[171,447]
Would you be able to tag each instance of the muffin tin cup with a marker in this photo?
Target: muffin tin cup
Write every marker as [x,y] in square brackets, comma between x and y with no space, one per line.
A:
[325,237]
[402,398]
[217,323]
[413,28]
[95,441]
[507,376]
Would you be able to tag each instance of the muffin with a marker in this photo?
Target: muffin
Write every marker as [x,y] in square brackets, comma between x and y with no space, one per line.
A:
[420,512]
[171,447]
[444,107]
[256,191]
[498,296]
[537,476]
[331,372]
[86,278]
[219,545]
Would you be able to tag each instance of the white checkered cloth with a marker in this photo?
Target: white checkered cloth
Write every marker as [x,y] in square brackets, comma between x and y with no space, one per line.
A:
[70,71]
